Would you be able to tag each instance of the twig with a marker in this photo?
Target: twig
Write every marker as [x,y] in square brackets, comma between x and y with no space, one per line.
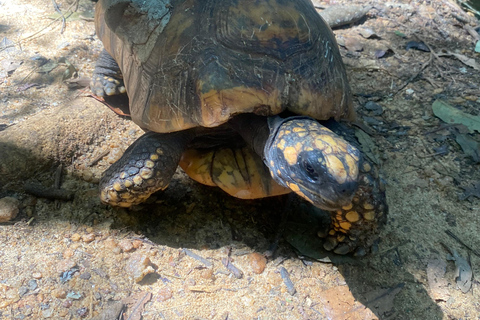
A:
[49,193]
[197,257]
[286,279]
[55,6]
[237,273]
[98,158]
[451,234]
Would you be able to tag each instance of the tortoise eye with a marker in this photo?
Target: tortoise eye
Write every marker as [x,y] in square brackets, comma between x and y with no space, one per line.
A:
[311,173]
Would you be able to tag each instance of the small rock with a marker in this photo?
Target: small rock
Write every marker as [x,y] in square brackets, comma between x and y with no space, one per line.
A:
[126,245]
[67,304]
[138,266]
[68,253]
[257,262]
[22,291]
[137,243]
[65,265]
[9,208]
[47,313]
[89,230]
[59,293]
[74,295]
[85,276]
[76,237]
[32,285]
[164,294]
[37,275]
[110,243]
[82,312]
[88,237]
[63,313]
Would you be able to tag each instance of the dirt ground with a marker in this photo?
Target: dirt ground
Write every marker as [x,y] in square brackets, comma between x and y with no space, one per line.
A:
[73,259]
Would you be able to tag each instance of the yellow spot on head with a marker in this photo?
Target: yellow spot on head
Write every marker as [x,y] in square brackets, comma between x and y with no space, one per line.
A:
[294,187]
[128,183]
[298,129]
[348,206]
[281,144]
[290,155]
[154,157]
[159,151]
[352,166]
[336,169]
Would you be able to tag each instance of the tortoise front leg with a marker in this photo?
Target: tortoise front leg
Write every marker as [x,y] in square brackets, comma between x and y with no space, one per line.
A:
[147,166]
[107,79]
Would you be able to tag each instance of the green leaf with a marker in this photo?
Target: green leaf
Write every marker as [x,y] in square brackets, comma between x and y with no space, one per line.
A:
[449,114]
[400,34]
[477,46]
[469,146]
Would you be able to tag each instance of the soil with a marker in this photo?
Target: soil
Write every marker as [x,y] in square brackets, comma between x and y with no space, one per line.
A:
[81,259]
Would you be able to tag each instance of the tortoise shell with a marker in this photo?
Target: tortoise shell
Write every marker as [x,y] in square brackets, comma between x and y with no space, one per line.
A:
[190,63]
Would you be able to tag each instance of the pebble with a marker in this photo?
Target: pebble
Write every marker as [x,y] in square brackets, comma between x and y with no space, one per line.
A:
[137,243]
[88,237]
[126,245]
[68,253]
[76,237]
[37,275]
[22,291]
[138,266]
[85,275]
[65,265]
[59,293]
[32,284]
[110,243]
[9,208]
[164,294]
[257,262]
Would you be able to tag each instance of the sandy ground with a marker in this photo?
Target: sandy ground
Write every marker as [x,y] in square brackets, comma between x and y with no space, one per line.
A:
[79,259]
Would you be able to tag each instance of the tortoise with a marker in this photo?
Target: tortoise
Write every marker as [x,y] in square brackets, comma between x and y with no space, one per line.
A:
[233,91]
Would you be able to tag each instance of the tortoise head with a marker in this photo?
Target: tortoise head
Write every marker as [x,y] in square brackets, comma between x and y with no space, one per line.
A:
[315,163]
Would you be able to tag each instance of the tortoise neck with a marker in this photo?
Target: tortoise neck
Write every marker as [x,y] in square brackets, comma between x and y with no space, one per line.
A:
[253,129]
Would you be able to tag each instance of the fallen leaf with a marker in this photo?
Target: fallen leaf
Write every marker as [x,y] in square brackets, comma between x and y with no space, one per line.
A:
[463,272]
[470,191]
[464,59]
[417,45]
[449,114]
[469,146]
[47,67]
[136,304]
[369,148]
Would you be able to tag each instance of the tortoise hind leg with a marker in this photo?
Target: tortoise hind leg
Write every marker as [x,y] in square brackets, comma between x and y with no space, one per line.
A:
[147,166]
[107,79]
